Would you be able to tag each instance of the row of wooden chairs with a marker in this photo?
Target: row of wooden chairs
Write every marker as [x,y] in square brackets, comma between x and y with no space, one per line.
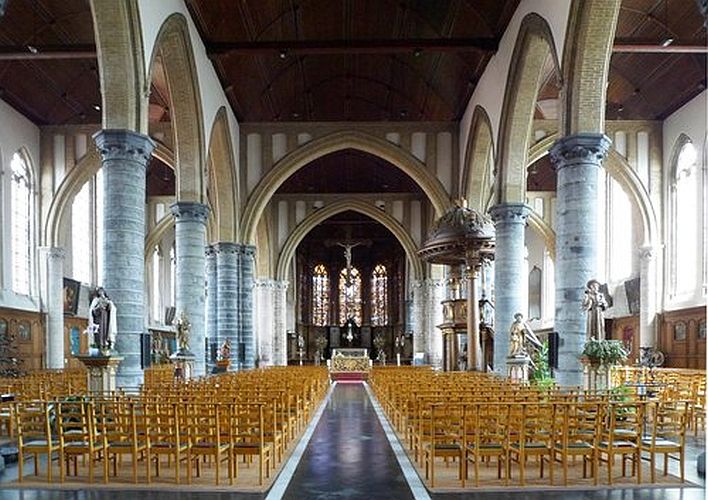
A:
[186,426]
[472,419]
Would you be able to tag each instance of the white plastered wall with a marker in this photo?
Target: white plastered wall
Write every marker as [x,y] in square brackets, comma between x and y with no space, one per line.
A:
[153,14]
[16,133]
[489,92]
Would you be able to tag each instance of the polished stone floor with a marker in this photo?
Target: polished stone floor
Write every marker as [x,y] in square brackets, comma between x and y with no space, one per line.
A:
[349,457]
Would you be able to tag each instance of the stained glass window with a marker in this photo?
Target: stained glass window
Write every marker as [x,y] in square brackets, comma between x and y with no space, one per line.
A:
[379,296]
[350,295]
[21,202]
[320,296]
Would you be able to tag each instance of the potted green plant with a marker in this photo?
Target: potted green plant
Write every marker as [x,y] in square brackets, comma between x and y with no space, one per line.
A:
[604,353]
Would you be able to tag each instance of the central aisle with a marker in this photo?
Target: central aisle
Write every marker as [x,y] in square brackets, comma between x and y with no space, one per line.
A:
[348,455]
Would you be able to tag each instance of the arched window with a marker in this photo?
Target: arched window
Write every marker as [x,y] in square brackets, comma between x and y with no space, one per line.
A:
[379,296]
[320,296]
[350,295]
[155,278]
[81,235]
[21,202]
[685,240]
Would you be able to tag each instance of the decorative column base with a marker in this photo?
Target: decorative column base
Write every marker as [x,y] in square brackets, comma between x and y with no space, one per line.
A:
[101,372]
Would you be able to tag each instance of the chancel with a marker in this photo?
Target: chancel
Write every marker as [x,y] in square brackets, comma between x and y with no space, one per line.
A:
[353,247]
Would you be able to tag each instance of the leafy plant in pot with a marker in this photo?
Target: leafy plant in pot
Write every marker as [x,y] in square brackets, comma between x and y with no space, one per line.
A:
[604,352]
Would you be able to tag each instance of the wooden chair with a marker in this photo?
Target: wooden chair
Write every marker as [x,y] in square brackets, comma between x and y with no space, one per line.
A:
[249,438]
[576,431]
[164,438]
[668,435]
[530,436]
[123,431]
[34,436]
[446,439]
[622,436]
[77,436]
[490,438]
[207,438]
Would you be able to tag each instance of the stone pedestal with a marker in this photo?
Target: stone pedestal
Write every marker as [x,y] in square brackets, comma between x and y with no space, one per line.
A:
[518,368]
[101,372]
[124,157]
[184,362]
[190,238]
[510,280]
[577,160]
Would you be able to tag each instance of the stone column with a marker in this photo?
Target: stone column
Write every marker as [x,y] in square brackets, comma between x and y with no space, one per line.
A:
[211,298]
[418,317]
[264,320]
[433,314]
[227,282]
[190,238]
[475,361]
[647,299]
[124,157]
[247,264]
[55,306]
[510,281]
[577,160]
[280,336]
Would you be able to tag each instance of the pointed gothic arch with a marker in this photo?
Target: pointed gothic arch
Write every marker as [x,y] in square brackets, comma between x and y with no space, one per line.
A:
[331,143]
[363,207]
[479,150]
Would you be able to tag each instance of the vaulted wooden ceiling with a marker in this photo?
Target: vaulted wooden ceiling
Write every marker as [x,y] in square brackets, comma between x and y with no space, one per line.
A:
[342,60]
[349,171]
[360,60]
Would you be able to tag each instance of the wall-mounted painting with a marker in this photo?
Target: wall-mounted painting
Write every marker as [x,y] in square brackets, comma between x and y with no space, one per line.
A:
[71,296]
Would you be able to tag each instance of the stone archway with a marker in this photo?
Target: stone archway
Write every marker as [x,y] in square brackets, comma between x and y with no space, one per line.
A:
[586,62]
[534,44]
[338,141]
[119,46]
[223,186]
[174,47]
[72,183]
[479,150]
[368,209]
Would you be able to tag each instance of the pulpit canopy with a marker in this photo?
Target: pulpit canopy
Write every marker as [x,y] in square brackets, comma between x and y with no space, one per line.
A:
[459,235]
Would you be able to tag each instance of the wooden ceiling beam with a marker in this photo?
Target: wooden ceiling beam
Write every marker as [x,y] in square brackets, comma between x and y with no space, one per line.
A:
[636,46]
[313,47]
[52,52]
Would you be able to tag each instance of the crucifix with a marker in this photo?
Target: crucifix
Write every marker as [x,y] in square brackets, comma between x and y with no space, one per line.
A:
[348,257]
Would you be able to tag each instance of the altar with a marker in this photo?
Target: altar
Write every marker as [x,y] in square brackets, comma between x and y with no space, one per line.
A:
[349,364]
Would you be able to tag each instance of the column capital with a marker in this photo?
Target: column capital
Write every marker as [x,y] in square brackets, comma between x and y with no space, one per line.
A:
[510,213]
[123,144]
[647,252]
[580,149]
[190,211]
[703,6]
[226,247]
[248,251]
[54,252]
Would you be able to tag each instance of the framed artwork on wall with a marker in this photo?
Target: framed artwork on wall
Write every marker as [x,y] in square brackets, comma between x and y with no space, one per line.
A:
[24,331]
[71,296]
[3,327]
[680,331]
